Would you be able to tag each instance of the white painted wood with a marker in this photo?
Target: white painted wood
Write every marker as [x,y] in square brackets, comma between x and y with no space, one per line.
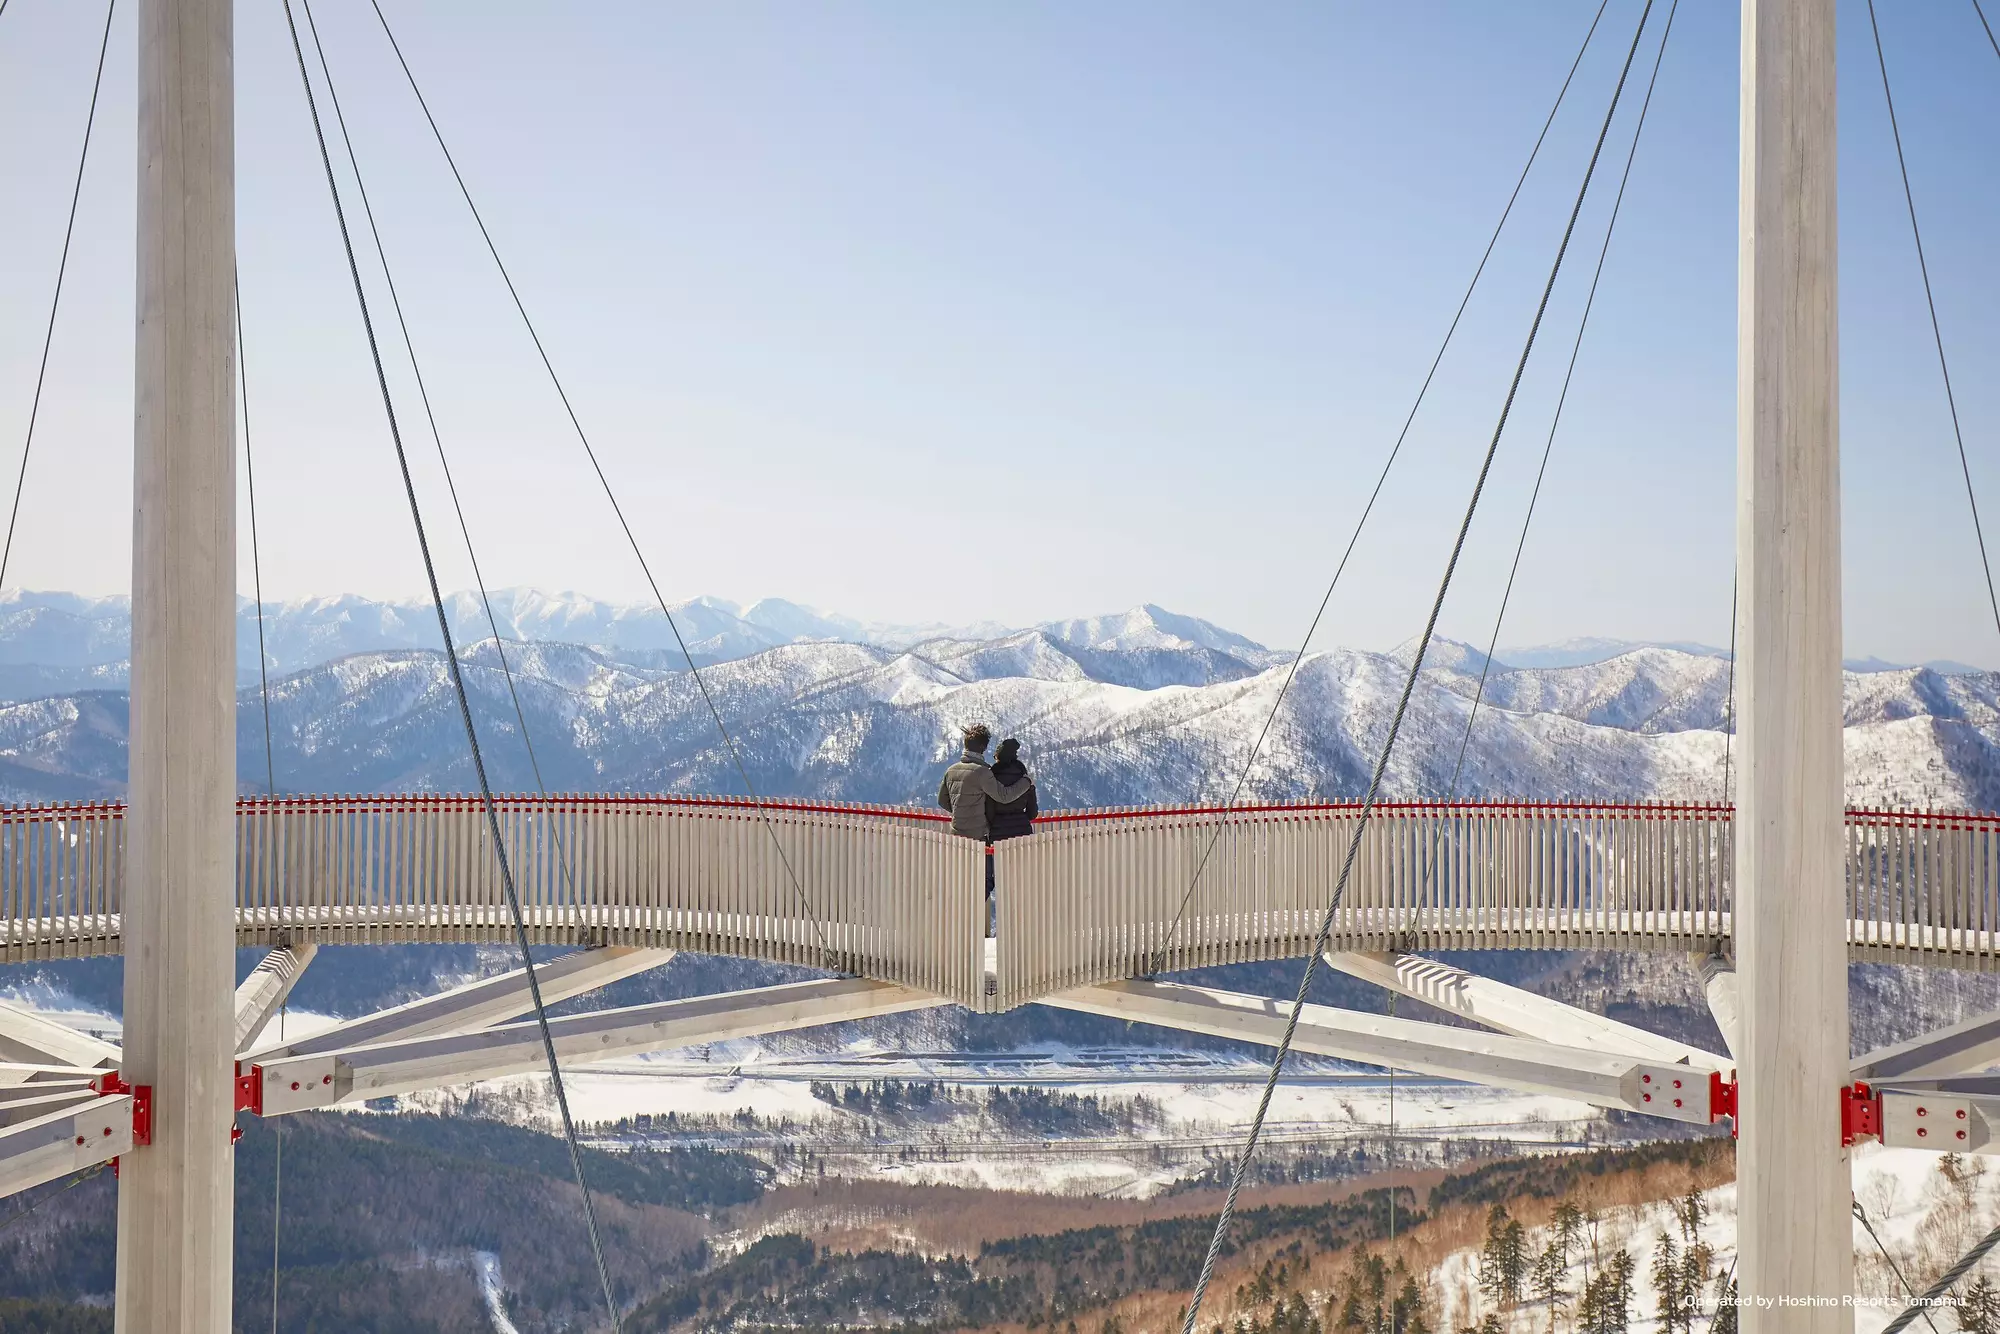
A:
[325,1079]
[1509,1009]
[1960,1049]
[176,1198]
[1725,1006]
[478,1004]
[29,1037]
[1600,1078]
[259,995]
[66,1140]
[1795,1233]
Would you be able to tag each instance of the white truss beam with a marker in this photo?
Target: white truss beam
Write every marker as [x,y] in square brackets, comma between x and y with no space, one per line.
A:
[293,1083]
[1718,984]
[1511,1010]
[57,1143]
[27,1037]
[476,1005]
[1604,1079]
[261,993]
[1960,1049]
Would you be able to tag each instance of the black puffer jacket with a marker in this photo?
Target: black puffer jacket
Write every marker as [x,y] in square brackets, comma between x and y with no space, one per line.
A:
[1013,818]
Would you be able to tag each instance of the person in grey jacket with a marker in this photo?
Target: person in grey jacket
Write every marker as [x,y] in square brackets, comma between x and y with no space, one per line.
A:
[968,784]
[965,790]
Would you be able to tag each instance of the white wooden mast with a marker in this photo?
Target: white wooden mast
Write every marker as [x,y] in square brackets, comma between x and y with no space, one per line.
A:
[1793,1184]
[176,1197]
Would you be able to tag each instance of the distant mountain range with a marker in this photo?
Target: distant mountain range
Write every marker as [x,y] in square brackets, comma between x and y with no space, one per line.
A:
[1142,706]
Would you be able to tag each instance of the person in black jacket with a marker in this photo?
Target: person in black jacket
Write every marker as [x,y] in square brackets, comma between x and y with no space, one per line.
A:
[1007,819]
[1010,819]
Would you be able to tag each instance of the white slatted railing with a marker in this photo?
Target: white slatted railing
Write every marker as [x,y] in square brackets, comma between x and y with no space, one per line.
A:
[1095,896]
[888,893]
[853,889]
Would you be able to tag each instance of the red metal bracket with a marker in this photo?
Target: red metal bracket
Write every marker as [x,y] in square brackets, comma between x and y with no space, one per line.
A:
[1722,1101]
[250,1089]
[1860,1113]
[113,1082]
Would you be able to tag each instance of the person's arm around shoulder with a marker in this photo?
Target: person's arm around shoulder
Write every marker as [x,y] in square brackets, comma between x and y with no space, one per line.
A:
[1034,808]
[1002,792]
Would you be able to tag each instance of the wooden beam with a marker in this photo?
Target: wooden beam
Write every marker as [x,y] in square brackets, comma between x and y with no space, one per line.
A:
[476,1005]
[1509,1009]
[260,994]
[33,1039]
[1960,1049]
[1677,1092]
[324,1079]
[67,1140]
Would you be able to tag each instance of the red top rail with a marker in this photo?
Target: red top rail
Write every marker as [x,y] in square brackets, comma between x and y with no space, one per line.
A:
[588,801]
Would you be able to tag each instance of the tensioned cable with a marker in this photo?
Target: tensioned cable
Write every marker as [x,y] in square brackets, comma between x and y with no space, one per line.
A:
[458,685]
[437,438]
[1729,694]
[1946,1282]
[1555,423]
[55,302]
[1325,932]
[1894,1268]
[1423,390]
[1930,303]
[1993,41]
[618,510]
[270,767]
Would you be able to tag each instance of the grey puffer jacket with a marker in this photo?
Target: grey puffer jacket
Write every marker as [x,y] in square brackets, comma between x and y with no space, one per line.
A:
[964,792]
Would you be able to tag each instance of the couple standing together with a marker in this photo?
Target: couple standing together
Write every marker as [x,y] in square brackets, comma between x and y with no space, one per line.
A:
[988,802]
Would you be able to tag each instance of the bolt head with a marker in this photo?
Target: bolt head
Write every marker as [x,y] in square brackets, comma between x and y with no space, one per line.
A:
[1921,1132]
[1645,1097]
[1961,1113]
[295,1086]
[1645,1079]
[1677,1102]
[1677,1083]
[79,1141]
[1923,1111]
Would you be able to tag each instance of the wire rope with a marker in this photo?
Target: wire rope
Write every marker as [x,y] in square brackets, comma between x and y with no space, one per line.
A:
[1862,1215]
[618,510]
[270,767]
[1729,694]
[1930,305]
[1562,401]
[444,461]
[1325,932]
[1945,1283]
[458,685]
[1423,390]
[1430,870]
[55,302]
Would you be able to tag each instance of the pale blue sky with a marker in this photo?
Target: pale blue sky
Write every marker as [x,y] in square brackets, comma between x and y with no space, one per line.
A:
[1014,312]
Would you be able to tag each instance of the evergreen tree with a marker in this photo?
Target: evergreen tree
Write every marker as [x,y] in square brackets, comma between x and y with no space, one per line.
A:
[1691,1211]
[1979,1309]
[1725,1306]
[1550,1280]
[1667,1286]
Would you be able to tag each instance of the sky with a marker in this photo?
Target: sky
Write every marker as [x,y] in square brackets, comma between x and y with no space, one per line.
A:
[1012,312]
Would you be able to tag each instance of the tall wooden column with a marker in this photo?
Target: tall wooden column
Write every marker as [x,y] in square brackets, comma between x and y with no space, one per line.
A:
[175,1198]
[1792,1174]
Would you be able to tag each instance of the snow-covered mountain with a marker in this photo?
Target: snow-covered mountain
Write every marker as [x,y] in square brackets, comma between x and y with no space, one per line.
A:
[1139,707]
